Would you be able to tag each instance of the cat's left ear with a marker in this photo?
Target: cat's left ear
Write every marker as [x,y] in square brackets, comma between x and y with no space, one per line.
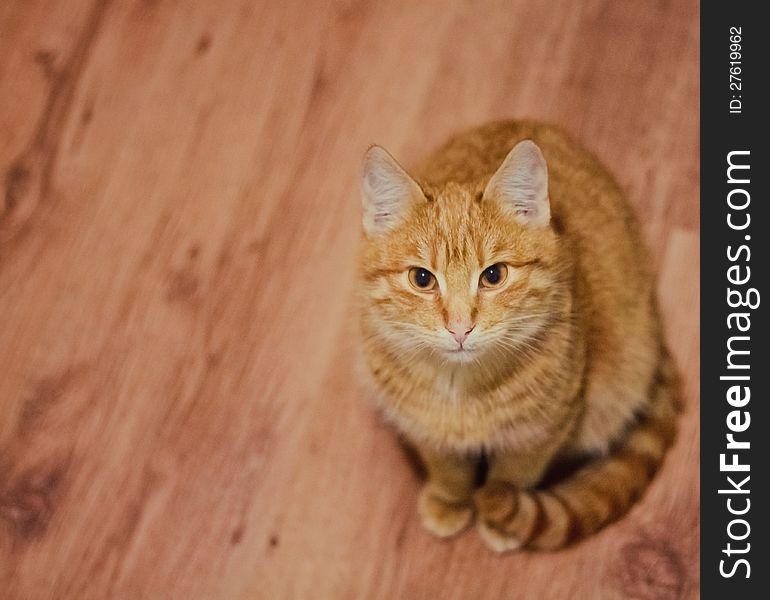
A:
[387,191]
[521,184]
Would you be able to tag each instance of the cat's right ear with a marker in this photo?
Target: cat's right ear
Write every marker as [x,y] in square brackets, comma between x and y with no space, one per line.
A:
[387,191]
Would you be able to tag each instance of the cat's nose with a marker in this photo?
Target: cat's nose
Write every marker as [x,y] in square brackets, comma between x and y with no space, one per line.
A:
[460,331]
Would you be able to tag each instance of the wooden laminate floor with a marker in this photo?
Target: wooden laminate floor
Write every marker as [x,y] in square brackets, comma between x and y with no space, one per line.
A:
[178,224]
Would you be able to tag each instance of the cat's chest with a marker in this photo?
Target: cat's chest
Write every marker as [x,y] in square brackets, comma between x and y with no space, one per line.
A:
[451,412]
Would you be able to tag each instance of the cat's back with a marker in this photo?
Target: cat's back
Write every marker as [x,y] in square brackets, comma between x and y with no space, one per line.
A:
[577,180]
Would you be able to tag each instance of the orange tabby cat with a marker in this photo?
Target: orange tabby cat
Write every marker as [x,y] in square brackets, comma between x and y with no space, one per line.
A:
[508,318]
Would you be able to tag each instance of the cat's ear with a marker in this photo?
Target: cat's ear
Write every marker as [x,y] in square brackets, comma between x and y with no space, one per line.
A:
[521,183]
[387,191]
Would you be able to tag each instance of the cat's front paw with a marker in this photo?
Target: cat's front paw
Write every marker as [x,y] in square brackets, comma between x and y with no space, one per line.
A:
[440,516]
[506,516]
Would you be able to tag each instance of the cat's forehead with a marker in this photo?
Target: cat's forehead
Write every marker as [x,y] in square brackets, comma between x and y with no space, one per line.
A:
[455,228]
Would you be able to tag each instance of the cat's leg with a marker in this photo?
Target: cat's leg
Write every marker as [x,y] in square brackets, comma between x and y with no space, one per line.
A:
[522,469]
[445,504]
[507,514]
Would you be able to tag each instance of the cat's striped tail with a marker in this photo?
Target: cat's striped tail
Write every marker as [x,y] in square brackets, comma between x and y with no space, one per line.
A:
[595,495]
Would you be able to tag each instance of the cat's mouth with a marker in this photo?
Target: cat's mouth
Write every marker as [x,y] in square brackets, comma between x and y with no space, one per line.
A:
[461,353]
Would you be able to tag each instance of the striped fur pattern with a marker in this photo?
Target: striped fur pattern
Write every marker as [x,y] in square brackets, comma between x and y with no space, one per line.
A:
[507,317]
[551,518]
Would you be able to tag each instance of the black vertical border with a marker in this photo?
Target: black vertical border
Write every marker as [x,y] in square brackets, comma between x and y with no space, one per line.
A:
[722,132]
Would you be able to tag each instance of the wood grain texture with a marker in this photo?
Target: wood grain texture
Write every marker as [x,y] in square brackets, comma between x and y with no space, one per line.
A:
[178,223]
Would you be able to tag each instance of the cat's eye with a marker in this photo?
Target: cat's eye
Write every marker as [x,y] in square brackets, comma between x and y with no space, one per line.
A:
[422,279]
[493,276]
